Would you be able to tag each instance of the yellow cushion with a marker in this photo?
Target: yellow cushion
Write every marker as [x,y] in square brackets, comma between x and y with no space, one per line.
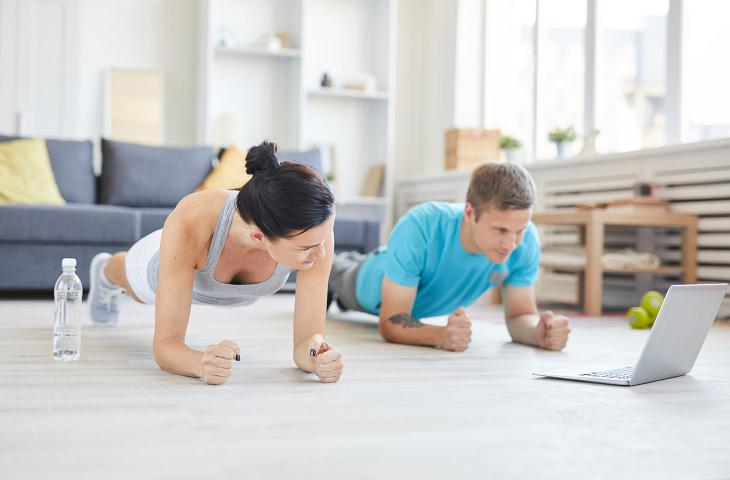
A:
[230,173]
[26,175]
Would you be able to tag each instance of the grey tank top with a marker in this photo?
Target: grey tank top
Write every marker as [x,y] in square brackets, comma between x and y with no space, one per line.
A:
[209,291]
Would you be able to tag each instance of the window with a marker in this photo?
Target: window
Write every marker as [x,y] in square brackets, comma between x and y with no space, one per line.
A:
[510,74]
[631,74]
[561,77]
[706,79]
[538,62]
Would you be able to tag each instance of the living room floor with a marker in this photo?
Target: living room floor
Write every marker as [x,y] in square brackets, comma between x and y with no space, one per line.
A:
[398,411]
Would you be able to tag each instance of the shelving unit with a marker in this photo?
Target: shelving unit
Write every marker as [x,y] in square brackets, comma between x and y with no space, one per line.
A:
[669,270]
[257,51]
[593,224]
[248,93]
[345,93]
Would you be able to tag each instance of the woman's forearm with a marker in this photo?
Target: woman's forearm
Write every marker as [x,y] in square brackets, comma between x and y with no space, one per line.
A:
[175,357]
[302,359]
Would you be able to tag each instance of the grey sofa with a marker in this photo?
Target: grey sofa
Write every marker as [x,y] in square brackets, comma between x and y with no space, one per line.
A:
[137,189]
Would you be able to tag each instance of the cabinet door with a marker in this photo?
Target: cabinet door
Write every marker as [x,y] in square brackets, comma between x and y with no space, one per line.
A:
[38,50]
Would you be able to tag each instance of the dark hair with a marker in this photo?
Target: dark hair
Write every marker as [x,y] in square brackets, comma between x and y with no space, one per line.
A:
[283,199]
[506,186]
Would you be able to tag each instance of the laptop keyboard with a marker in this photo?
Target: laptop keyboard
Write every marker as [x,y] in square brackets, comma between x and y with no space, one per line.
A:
[619,373]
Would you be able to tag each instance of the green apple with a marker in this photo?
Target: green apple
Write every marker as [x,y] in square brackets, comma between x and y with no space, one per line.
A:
[652,302]
[638,317]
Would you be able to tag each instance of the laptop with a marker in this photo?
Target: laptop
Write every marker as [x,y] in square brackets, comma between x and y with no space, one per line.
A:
[674,342]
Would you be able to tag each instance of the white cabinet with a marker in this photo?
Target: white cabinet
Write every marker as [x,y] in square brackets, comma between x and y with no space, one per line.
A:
[253,87]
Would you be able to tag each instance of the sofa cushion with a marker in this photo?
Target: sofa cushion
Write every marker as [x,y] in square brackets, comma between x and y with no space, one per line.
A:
[153,218]
[26,176]
[73,167]
[36,266]
[356,234]
[145,176]
[70,223]
[230,173]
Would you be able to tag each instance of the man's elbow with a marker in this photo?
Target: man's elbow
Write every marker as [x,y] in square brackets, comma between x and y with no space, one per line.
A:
[385,328]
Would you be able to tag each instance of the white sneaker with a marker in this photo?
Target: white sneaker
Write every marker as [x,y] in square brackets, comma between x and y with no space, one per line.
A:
[103,297]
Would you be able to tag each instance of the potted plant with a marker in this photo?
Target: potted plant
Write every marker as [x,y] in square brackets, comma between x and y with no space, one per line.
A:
[561,136]
[510,145]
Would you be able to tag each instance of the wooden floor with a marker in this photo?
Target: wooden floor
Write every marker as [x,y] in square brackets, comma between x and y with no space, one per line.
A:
[398,412]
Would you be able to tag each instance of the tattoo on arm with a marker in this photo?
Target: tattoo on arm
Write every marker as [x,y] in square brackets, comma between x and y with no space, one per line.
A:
[405,320]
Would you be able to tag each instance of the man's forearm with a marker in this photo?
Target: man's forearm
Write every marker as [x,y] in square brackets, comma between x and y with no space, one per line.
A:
[403,328]
[523,329]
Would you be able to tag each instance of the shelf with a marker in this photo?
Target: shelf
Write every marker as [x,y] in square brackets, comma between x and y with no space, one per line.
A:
[627,219]
[249,92]
[258,52]
[580,268]
[346,93]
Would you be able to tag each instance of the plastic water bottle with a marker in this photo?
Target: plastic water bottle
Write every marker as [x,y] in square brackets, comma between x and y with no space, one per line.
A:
[67,316]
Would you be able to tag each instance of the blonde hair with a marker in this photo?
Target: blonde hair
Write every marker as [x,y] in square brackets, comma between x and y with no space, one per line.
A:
[504,186]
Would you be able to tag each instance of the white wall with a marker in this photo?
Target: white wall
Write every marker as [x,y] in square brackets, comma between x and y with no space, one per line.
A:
[410,54]
[95,34]
[8,15]
[426,83]
[164,34]
[158,34]
[468,69]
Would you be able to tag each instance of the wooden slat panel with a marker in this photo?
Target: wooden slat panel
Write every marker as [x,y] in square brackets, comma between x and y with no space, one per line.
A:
[703,189]
[557,229]
[683,177]
[557,287]
[588,197]
[692,192]
[713,256]
[713,273]
[714,224]
[703,256]
[561,239]
[719,240]
[714,240]
[589,184]
[703,240]
[709,207]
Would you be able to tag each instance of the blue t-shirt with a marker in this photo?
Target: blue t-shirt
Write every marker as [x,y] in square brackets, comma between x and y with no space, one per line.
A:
[425,251]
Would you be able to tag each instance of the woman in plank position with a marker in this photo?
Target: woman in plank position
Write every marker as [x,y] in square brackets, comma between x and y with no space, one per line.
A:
[229,248]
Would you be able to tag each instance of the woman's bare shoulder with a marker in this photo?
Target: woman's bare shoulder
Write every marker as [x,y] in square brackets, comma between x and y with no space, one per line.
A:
[197,213]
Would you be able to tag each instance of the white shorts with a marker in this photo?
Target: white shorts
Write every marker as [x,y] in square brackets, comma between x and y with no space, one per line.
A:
[138,258]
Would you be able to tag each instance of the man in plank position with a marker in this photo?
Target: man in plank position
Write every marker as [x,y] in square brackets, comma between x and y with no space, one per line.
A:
[441,257]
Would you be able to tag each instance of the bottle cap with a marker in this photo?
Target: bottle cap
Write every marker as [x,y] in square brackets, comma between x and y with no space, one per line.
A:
[68,262]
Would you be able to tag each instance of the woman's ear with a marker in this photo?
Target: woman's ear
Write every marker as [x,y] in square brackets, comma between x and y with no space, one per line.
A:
[258,236]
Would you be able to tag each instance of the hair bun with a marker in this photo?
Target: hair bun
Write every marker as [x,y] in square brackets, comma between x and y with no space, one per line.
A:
[262,157]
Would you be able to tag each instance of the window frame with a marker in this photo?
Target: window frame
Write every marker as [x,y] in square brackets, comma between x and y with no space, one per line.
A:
[675,56]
